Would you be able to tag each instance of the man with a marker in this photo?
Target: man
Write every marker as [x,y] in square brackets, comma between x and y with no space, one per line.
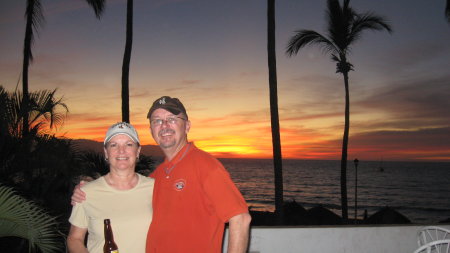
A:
[193,195]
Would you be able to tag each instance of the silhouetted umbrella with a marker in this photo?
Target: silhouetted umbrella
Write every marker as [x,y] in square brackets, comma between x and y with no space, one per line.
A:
[262,218]
[320,215]
[387,215]
[294,213]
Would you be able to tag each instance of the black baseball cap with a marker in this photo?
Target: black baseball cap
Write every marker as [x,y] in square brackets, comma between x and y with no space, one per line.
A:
[170,104]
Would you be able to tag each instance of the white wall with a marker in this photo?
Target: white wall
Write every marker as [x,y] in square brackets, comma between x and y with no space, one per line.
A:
[335,239]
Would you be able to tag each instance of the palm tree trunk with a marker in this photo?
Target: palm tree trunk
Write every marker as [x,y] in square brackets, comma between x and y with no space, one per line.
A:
[126,64]
[447,11]
[26,63]
[276,143]
[344,204]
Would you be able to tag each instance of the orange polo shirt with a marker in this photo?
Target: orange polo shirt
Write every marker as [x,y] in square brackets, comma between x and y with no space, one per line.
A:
[193,198]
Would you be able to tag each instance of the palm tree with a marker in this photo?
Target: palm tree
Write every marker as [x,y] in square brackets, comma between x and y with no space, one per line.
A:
[344,27]
[22,218]
[34,20]
[126,64]
[275,122]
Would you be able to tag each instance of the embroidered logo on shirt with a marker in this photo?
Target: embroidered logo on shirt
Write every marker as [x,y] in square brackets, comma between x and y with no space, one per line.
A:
[179,184]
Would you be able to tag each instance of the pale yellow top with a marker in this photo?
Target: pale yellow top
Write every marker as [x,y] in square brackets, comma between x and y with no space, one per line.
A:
[130,212]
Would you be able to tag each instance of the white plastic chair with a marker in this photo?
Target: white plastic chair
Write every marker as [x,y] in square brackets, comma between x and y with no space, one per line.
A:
[432,233]
[439,246]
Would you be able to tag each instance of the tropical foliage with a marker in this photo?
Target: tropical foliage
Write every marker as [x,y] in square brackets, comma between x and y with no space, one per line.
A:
[43,112]
[344,28]
[20,155]
[36,165]
[22,218]
[93,164]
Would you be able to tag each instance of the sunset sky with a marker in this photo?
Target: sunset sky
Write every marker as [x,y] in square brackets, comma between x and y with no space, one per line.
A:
[212,54]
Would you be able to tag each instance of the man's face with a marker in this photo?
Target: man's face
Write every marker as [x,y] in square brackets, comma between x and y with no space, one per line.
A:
[169,130]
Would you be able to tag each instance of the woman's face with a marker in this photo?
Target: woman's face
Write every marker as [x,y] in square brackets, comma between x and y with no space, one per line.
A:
[122,152]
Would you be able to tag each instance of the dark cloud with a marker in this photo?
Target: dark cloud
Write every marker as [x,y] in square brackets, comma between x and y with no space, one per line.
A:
[416,102]
[429,144]
[422,144]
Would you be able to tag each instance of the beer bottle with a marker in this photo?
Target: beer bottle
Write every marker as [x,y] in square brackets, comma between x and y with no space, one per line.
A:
[110,246]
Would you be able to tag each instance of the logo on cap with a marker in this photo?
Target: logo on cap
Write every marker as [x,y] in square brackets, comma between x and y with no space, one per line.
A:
[162,101]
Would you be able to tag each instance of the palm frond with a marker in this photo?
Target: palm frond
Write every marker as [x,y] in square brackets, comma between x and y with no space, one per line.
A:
[98,6]
[5,111]
[34,14]
[43,108]
[367,21]
[47,108]
[335,58]
[15,114]
[22,218]
[145,165]
[339,22]
[94,164]
[303,38]
[37,15]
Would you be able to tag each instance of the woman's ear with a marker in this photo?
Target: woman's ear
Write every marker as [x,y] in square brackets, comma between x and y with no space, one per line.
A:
[106,153]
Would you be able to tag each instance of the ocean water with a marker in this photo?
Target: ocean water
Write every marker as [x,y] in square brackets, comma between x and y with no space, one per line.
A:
[418,190]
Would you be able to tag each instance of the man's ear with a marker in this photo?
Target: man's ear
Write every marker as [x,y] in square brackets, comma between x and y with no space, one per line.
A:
[188,126]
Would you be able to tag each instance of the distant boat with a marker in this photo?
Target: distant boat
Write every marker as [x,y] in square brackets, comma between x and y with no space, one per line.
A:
[381,168]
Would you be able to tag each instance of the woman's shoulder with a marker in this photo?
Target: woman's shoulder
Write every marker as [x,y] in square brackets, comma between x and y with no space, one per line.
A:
[146,180]
[94,184]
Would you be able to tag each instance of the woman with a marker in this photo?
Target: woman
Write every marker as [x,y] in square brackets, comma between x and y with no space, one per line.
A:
[122,195]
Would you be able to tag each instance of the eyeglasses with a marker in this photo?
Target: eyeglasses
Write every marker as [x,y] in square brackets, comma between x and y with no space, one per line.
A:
[169,120]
